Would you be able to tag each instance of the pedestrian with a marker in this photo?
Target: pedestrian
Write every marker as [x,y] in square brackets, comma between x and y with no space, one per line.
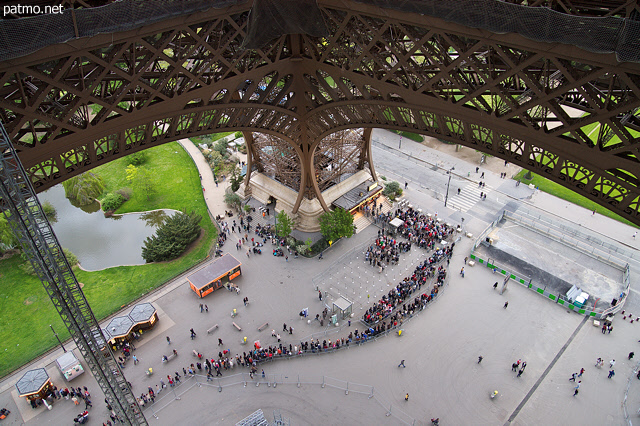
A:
[594,213]
[206,308]
[219,342]
[278,337]
[244,301]
[263,375]
[612,363]
[284,327]
[135,360]
[514,366]
[402,364]
[573,377]
[635,233]
[477,168]
[405,185]
[482,175]
[290,330]
[520,372]
[462,272]
[458,191]
[631,354]
[168,340]
[201,308]
[480,359]
[506,304]
[286,258]
[611,374]
[581,372]
[87,403]
[465,259]
[577,388]
[495,285]
[406,397]
[320,292]
[524,365]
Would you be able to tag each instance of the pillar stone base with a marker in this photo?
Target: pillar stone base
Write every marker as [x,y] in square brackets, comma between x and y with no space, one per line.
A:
[261,187]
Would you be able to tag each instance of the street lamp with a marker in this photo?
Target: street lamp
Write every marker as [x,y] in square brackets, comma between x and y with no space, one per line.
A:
[446,197]
[56,334]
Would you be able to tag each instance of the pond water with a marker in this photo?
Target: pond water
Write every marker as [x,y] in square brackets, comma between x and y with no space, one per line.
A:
[101,242]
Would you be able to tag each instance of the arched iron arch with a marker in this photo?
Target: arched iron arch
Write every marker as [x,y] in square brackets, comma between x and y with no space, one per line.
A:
[505,94]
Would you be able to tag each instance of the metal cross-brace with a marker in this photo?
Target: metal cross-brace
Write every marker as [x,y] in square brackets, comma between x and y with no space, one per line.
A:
[28,222]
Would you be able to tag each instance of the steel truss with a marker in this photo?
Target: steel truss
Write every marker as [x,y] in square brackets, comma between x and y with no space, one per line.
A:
[27,220]
[565,113]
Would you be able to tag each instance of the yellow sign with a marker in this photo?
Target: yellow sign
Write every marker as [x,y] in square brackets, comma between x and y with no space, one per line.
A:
[373,185]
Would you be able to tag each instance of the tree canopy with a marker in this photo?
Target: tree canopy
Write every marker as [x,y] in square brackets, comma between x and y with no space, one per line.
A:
[284,224]
[84,188]
[336,224]
[172,237]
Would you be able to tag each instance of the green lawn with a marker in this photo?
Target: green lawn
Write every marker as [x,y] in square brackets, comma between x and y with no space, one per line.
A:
[560,191]
[27,309]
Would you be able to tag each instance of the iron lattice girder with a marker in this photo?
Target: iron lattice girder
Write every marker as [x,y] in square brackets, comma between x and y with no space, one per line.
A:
[378,68]
[27,221]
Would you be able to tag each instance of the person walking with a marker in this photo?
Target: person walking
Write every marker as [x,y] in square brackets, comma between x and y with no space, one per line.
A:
[520,372]
[168,340]
[405,185]
[135,360]
[462,272]
[201,308]
[576,388]
[506,304]
[480,359]
[220,342]
[612,363]
[284,327]
[611,374]
[573,377]
[581,372]
[482,175]
[320,295]
[514,366]
[406,397]
[631,354]
[402,364]
[465,259]
[495,285]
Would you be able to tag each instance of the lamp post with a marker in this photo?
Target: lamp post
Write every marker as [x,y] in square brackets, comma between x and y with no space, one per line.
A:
[56,334]
[446,197]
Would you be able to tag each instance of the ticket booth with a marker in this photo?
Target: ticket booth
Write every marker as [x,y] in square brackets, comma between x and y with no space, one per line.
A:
[69,366]
[35,384]
[214,275]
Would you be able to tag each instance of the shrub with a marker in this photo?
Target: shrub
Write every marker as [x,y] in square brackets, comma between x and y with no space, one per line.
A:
[392,190]
[112,201]
[319,246]
[238,135]
[137,158]
[172,237]
[50,212]
[233,200]
[125,192]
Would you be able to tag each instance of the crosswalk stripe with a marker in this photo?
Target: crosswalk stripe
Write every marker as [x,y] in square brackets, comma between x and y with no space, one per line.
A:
[468,197]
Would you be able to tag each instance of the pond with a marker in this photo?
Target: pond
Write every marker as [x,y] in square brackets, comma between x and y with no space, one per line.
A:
[101,242]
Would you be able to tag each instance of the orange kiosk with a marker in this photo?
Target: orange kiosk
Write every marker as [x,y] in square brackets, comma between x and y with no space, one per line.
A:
[214,275]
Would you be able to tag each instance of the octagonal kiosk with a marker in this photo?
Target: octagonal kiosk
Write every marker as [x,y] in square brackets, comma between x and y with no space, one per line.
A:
[119,329]
[144,316]
[35,384]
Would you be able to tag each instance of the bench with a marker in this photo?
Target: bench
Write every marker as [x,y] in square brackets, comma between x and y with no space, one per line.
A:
[237,326]
[263,326]
[170,357]
[209,331]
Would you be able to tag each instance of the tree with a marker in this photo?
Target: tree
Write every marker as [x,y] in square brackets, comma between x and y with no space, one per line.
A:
[84,188]
[236,178]
[336,224]
[392,190]
[50,212]
[233,200]
[284,224]
[172,237]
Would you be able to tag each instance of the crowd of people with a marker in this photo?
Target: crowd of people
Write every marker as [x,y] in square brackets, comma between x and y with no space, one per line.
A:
[422,230]
[385,249]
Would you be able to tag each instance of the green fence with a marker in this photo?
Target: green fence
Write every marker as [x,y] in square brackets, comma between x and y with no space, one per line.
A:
[527,282]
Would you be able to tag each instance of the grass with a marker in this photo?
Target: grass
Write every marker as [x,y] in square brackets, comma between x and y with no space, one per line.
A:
[26,307]
[567,194]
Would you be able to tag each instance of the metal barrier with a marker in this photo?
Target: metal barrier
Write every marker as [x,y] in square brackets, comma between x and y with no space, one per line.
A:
[272,381]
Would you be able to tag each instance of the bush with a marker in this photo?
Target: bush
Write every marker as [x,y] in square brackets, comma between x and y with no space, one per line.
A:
[137,158]
[233,200]
[392,190]
[336,224]
[50,212]
[125,192]
[172,237]
[319,246]
[238,135]
[27,267]
[112,201]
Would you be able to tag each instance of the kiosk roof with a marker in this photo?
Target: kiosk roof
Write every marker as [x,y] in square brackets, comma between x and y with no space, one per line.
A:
[213,271]
[32,381]
[142,312]
[119,326]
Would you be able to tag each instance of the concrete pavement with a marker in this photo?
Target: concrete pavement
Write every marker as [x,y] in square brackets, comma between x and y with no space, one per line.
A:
[440,346]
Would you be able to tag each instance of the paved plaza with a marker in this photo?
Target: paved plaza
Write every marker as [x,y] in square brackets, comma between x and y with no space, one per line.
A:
[363,384]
